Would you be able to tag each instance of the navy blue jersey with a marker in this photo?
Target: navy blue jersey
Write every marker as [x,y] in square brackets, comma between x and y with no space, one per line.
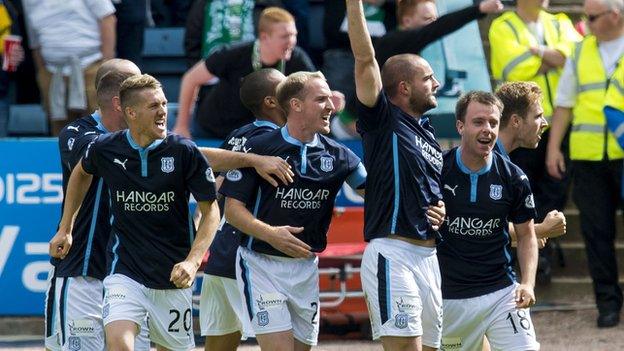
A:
[91,229]
[320,167]
[500,148]
[222,259]
[149,190]
[475,248]
[404,162]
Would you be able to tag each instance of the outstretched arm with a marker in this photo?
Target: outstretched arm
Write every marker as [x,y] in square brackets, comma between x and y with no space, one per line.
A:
[367,74]
[266,166]
[77,188]
[191,81]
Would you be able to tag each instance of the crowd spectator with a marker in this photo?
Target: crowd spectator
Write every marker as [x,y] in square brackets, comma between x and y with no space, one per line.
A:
[169,13]
[222,111]
[8,26]
[69,40]
[595,154]
[530,44]
[131,21]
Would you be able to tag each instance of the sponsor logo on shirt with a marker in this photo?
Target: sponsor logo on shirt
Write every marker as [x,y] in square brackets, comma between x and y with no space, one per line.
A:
[144,201]
[472,226]
[429,152]
[119,162]
[81,327]
[452,190]
[237,144]
[301,198]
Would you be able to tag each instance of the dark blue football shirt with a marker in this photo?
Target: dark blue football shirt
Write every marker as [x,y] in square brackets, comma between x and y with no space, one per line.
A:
[404,162]
[500,148]
[474,251]
[320,166]
[91,230]
[149,189]
[222,259]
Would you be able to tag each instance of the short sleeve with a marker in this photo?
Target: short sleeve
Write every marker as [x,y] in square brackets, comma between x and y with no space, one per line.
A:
[75,145]
[372,118]
[566,90]
[90,158]
[199,176]
[100,8]
[356,177]
[218,62]
[523,208]
[240,184]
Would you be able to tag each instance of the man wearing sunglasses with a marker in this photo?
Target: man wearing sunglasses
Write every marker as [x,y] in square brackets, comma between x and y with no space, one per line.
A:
[594,151]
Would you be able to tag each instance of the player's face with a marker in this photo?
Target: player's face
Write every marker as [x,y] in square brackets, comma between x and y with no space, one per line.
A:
[532,127]
[281,39]
[317,106]
[424,87]
[479,129]
[424,14]
[150,118]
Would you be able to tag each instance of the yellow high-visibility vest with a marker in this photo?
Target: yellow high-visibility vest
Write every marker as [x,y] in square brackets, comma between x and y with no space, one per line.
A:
[615,91]
[511,59]
[589,133]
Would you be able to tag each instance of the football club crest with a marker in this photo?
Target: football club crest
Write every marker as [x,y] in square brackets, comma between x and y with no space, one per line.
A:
[327,163]
[400,320]
[166,164]
[74,343]
[496,191]
[70,143]
[263,318]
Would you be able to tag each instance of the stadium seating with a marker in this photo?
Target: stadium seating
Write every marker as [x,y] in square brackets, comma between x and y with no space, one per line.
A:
[164,58]
[27,120]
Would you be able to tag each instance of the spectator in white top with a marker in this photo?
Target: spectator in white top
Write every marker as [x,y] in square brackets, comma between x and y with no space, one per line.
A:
[69,40]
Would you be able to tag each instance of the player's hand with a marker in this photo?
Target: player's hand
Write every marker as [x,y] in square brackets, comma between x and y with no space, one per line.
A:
[183,274]
[435,214]
[554,224]
[269,167]
[555,163]
[491,6]
[524,296]
[183,131]
[283,240]
[541,243]
[60,244]
[339,101]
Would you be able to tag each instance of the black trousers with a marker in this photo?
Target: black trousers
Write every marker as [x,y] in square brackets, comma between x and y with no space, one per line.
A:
[597,194]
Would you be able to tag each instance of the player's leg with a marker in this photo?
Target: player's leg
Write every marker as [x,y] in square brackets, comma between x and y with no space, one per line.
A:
[219,322]
[302,288]
[81,313]
[509,328]
[265,304]
[52,332]
[463,329]
[392,294]
[124,311]
[171,318]
[426,272]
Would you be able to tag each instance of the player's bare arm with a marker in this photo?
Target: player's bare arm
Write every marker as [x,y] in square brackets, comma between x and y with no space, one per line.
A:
[183,273]
[367,75]
[267,167]
[527,257]
[281,238]
[77,188]
[191,81]
[553,226]
[555,163]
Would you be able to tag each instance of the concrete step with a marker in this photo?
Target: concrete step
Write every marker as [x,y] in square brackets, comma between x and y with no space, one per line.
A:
[572,290]
[573,224]
[575,259]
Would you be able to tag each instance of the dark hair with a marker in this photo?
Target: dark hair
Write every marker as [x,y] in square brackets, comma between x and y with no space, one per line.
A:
[258,85]
[482,97]
[109,85]
[517,97]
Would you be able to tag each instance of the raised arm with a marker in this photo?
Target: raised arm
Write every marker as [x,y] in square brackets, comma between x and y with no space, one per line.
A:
[77,188]
[367,74]
[183,273]
[281,238]
[266,166]
[191,81]
[527,257]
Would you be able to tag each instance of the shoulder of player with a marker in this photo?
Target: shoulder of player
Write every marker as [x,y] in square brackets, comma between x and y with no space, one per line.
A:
[79,127]
[177,141]
[508,169]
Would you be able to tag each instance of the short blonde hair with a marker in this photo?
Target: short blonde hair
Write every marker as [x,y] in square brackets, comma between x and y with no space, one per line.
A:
[273,15]
[132,86]
[294,86]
